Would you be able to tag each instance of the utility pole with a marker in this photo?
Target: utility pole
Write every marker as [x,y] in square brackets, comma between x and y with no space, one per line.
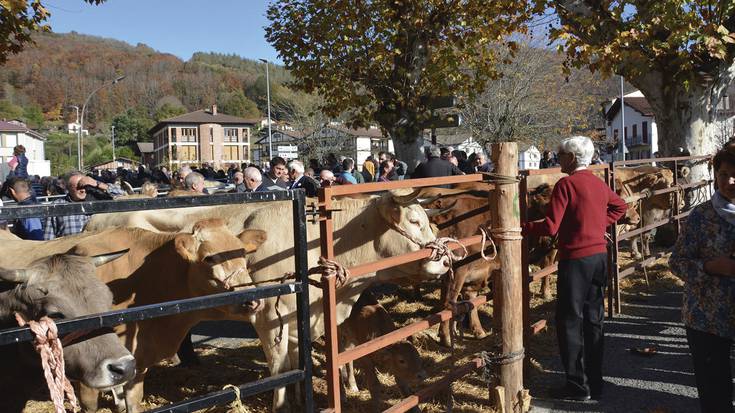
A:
[268,93]
[114,162]
[79,139]
[622,114]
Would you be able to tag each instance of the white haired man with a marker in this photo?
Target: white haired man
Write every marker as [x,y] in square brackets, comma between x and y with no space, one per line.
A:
[253,179]
[299,180]
[581,209]
[194,182]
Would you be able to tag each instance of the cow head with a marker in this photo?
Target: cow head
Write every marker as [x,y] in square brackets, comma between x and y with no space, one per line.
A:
[216,259]
[65,286]
[411,230]
[402,360]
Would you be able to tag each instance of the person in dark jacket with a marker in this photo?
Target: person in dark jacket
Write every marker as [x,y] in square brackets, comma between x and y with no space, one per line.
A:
[582,208]
[436,166]
[26,228]
[299,180]
[19,163]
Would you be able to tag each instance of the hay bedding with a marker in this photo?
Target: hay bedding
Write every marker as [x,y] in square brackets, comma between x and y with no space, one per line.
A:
[220,366]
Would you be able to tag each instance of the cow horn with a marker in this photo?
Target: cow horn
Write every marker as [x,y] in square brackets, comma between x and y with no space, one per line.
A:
[14,276]
[437,211]
[427,201]
[99,260]
[406,199]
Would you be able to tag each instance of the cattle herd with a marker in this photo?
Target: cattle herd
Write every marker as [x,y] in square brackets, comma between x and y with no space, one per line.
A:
[125,260]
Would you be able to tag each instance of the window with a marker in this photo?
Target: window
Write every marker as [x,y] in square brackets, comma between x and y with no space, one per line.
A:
[231,134]
[173,134]
[625,133]
[211,136]
[635,131]
[644,131]
[186,153]
[231,153]
[10,141]
[188,134]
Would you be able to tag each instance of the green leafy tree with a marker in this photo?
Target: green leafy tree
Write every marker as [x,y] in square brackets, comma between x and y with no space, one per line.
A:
[237,104]
[9,110]
[679,53]
[33,116]
[168,110]
[379,60]
[19,19]
[132,126]
[61,151]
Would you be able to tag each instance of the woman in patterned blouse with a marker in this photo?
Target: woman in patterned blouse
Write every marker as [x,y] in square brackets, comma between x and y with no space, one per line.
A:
[703,259]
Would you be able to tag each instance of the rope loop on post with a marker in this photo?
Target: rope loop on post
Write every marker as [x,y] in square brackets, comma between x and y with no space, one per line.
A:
[492,360]
[48,346]
[507,234]
[500,179]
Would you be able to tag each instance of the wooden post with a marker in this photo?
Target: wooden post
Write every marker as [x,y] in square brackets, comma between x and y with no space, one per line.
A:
[506,219]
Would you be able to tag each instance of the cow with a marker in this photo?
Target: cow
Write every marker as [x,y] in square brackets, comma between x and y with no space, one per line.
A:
[630,182]
[161,267]
[367,321]
[367,229]
[60,286]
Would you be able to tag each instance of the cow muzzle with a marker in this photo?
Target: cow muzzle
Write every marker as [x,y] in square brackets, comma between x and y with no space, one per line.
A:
[112,372]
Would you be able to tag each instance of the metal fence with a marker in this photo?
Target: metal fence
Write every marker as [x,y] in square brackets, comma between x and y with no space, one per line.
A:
[109,319]
[334,358]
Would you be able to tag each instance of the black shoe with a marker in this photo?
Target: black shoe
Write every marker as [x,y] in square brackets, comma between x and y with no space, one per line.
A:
[566,393]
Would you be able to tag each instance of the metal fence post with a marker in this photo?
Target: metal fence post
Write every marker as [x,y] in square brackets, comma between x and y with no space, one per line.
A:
[613,292]
[302,303]
[329,301]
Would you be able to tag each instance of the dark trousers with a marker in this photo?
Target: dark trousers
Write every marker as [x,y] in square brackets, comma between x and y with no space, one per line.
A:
[579,317]
[712,370]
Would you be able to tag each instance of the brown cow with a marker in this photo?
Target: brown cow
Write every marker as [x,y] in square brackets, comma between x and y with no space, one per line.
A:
[630,182]
[59,286]
[160,267]
[367,321]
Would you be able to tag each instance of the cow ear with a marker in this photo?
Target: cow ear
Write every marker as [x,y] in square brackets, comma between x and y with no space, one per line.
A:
[186,247]
[252,239]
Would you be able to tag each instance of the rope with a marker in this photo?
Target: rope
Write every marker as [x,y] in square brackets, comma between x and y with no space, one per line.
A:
[507,234]
[500,179]
[236,404]
[486,237]
[440,248]
[492,360]
[326,267]
[48,346]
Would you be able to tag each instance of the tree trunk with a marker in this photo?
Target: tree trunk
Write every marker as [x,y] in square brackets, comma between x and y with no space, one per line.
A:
[411,153]
[684,119]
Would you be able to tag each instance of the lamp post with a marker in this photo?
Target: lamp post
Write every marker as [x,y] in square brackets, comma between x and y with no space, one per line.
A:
[113,146]
[622,114]
[268,93]
[79,137]
[84,107]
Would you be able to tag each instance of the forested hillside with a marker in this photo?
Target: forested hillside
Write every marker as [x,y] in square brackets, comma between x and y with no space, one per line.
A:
[60,70]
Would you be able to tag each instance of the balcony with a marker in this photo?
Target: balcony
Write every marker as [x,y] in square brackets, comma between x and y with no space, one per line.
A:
[637,141]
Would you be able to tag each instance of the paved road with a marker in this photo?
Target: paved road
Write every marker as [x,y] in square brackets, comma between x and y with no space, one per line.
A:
[661,383]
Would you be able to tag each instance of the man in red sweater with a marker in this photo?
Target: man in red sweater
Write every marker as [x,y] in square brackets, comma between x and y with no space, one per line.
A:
[581,209]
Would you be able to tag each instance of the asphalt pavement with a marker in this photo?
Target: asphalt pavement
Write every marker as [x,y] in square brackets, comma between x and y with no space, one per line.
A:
[661,382]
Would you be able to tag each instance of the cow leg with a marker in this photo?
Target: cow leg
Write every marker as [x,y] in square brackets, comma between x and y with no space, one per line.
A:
[134,393]
[450,293]
[88,398]
[646,244]
[475,325]
[373,385]
[266,325]
[634,248]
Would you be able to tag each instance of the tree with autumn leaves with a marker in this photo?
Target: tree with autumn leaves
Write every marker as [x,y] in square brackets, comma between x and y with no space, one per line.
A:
[680,54]
[377,60]
[383,60]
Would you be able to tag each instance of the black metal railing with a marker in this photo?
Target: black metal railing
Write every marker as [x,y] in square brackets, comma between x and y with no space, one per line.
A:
[300,287]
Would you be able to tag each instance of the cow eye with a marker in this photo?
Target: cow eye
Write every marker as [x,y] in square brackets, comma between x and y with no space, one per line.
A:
[415,222]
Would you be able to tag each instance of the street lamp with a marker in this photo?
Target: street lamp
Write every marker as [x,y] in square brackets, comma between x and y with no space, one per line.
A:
[84,107]
[268,92]
[79,137]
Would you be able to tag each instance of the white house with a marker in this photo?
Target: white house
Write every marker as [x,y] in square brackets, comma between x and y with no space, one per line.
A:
[529,159]
[17,133]
[640,131]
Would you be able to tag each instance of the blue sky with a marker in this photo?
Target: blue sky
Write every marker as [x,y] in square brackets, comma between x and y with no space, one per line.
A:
[179,27]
